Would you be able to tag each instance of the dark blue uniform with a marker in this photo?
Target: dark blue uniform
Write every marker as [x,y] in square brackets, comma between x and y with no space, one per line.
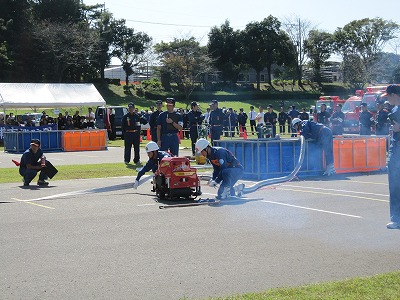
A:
[382,122]
[337,120]
[270,119]
[216,121]
[33,159]
[293,113]
[152,164]
[394,168]
[323,117]
[320,133]
[153,125]
[131,131]
[282,118]
[242,120]
[365,123]
[169,134]
[195,118]
[227,170]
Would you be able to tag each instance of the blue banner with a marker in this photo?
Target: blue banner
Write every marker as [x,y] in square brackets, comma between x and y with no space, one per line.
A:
[12,128]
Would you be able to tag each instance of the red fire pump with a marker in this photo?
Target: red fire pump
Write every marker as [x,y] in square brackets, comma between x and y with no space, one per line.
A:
[175,178]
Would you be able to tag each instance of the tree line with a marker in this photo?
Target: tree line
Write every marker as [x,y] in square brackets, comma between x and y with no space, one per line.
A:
[68,41]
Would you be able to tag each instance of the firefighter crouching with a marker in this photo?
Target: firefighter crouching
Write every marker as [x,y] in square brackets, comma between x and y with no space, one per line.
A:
[155,156]
[227,170]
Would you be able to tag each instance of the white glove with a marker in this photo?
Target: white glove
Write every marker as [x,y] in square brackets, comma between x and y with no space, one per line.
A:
[136,184]
[139,169]
[212,183]
[340,119]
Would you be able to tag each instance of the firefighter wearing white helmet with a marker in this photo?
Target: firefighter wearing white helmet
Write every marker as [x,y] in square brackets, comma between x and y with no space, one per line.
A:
[322,135]
[155,156]
[227,170]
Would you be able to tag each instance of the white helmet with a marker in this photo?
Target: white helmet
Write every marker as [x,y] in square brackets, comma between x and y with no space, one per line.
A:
[295,121]
[151,146]
[201,144]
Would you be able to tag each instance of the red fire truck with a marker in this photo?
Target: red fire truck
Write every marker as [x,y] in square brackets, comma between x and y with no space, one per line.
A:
[351,108]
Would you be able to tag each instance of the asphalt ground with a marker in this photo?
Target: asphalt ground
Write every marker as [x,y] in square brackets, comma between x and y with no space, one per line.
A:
[100,239]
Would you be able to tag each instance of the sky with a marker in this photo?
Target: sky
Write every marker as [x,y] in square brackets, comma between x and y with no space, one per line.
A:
[165,20]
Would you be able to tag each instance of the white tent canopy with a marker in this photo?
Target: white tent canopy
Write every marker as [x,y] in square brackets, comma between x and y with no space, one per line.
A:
[48,95]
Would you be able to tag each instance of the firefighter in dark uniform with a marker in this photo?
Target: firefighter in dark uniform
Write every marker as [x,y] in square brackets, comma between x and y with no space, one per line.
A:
[195,118]
[366,120]
[381,121]
[337,120]
[153,121]
[227,170]
[323,116]
[282,119]
[169,123]
[293,113]
[131,123]
[216,121]
[270,118]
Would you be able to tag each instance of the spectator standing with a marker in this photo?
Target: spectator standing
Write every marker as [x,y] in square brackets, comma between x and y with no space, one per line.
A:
[366,120]
[282,119]
[131,127]
[227,170]
[381,120]
[216,121]
[242,120]
[169,123]
[322,134]
[337,120]
[270,117]
[90,118]
[195,120]
[260,123]
[76,119]
[304,115]
[323,116]
[153,121]
[393,95]
[60,122]
[252,118]
[32,162]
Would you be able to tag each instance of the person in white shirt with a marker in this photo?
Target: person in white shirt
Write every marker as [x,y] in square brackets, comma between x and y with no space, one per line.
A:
[252,118]
[260,122]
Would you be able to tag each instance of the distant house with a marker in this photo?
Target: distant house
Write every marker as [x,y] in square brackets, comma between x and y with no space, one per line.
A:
[117,72]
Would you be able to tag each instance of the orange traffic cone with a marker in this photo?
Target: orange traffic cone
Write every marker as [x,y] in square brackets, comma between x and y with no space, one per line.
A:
[15,162]
[148,135]
[244,135]
[141,139]
[240,131]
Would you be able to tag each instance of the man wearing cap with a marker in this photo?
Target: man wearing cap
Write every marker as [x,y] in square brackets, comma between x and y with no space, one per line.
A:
[169,123]
[32,162]
[242,120]
[195,119]
[131,126]
[153,121]
[216,121]
[381,120]
[270,118]
[323,116]
[366,120]
[337,120]
[393,162]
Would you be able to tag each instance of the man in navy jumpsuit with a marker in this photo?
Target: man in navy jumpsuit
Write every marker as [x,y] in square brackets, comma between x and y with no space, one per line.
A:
[227,170]
[155,156]
[32,162]
[216,121]
[169,123]
[320,133]
[195,119]
[153,121]
[131,123]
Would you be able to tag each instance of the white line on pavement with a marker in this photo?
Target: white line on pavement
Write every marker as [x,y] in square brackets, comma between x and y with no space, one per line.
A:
[313,209]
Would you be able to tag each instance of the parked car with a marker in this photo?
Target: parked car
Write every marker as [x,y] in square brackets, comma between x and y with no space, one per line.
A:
[102,116]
